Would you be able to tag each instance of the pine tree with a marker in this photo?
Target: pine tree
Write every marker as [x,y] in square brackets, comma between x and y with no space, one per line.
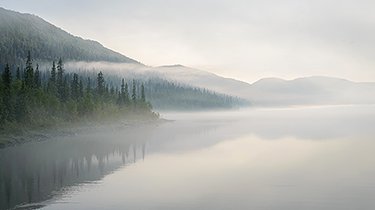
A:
[29,72]
[52,80]
[7,81]
[18,73]
[80,87]
[126,96]
[88,87]
[37,79]
[134,95]
[60,80]
[53,73]
[65,88]
[121,95]
[75,87]
[143,96]
[100,84]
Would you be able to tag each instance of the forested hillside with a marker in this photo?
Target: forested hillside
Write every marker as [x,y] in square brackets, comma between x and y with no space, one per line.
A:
[30,97]
[167,94]
[20,33]
[23,33]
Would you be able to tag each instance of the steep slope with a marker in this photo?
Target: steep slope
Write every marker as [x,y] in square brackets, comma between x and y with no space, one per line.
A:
[22,32]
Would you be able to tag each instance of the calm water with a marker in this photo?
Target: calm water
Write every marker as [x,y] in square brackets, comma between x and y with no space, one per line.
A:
[262,159]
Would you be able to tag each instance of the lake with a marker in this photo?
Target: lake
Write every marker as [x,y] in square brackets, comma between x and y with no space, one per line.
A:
[264,159]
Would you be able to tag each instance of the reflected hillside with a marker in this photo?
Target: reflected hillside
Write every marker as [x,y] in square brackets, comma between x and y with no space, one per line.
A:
[32,173]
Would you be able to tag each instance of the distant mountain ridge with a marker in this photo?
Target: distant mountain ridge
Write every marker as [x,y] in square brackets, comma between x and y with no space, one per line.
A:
[314,90]
[20,32]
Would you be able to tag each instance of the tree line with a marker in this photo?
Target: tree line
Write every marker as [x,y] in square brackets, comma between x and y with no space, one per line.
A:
[32,96]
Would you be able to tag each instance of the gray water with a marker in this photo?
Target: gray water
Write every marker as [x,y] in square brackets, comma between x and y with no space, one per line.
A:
[262,159]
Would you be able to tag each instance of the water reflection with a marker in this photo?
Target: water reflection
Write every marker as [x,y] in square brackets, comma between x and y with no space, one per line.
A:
[200,158]
[32,173]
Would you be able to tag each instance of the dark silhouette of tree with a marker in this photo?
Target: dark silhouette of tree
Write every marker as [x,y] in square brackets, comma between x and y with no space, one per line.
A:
[100,84]
[29,72]
[126,94]
[123,99]
[7,81]
[88,87]
[143,96]
[18,73]
[75,87]
[52,87]
[60,80]
[65,88]
[37,79]
[134,95]
[80,87]
[53,73]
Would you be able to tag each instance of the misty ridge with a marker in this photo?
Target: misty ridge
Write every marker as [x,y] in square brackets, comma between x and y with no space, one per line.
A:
[83,126]
[314,90]
[48,42]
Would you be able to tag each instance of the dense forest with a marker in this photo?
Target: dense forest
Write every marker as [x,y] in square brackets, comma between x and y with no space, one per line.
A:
[166,95]
[170,95]
[22,32]
[38,98]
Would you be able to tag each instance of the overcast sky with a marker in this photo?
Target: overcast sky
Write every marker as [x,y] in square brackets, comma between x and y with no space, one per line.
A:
[242,39]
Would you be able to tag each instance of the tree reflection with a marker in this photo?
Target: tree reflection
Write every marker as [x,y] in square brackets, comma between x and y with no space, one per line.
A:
[32,173]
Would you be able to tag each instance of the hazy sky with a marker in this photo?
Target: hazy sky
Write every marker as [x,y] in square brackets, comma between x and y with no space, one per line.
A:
[243,39]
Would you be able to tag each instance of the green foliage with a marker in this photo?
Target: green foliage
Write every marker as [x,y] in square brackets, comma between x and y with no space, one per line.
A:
[29,72]
[134,95]
[100,85]
[46,98]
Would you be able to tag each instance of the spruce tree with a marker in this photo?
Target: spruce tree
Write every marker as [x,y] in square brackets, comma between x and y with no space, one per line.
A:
[7,82]
[75,87]
[52,88]
[18,73]
[60,80]
[126,96]
[53,73]
[65,89]
[29,72]
[88,87]
[100,84]
[80,87]
[134,95]
[143,96]
[121,99]
[37,79]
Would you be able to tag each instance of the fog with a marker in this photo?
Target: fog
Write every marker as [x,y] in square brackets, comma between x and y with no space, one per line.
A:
[265,158]
[317,90]
[246,40]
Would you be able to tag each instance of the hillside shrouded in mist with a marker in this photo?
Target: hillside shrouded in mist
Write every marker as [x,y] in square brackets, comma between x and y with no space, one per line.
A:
[282,120]
[24,32]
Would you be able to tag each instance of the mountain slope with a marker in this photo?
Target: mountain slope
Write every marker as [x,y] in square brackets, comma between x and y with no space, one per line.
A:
[315,90]
[204,79]
[22,32]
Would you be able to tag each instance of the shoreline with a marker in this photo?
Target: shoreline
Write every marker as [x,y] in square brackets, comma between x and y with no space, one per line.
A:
[72,129]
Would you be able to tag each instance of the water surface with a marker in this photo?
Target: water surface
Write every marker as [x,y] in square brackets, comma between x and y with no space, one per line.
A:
[297,158]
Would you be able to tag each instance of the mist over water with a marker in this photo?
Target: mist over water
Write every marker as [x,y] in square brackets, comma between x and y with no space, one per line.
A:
[292,158]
